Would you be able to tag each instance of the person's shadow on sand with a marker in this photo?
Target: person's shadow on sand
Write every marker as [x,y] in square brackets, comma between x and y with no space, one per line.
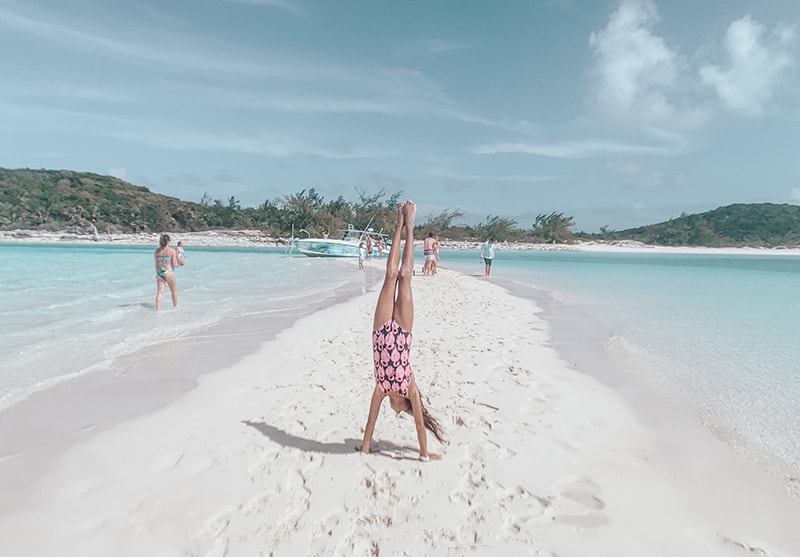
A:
[348,446]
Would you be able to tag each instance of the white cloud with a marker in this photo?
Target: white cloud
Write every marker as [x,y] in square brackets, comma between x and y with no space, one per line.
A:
[386,182]
[164,49]
[299,103]
[442,173]
[55,88]
[637,175]
[268,145]
[795,194]
[253,79]
[276,3]
[430,46]
[636,76]
[632,65]
[443,45]
[117,172]
[757,63]
[642,176]
[572,149]
[282,4]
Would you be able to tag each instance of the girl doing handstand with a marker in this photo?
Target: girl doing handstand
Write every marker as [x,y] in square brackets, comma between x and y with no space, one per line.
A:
[391,341]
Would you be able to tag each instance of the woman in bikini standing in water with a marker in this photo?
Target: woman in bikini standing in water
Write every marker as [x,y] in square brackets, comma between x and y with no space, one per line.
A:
[166,259]
[391,341]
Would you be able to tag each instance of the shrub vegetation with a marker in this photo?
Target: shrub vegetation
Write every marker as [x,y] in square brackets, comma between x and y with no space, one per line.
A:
[63,200]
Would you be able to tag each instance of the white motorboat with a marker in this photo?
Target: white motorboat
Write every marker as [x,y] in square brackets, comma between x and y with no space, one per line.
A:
[344,246]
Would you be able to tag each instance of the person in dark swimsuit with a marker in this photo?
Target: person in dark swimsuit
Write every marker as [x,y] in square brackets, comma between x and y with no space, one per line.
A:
[391,341]
[165,259]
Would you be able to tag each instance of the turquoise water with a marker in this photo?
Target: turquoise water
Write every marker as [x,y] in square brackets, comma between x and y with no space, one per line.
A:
[717,331]
[67,310]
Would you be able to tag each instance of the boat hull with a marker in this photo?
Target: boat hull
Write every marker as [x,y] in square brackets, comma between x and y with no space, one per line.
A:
[318,247]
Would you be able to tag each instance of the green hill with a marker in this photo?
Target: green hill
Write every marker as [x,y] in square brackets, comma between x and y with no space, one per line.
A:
[750,224]
[64,199]
[61,199]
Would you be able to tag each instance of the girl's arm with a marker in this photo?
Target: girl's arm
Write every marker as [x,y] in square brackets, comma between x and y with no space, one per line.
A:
[374,408]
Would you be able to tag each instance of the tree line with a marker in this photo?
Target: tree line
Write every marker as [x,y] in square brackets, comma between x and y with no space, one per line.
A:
[60,199]
[64,199]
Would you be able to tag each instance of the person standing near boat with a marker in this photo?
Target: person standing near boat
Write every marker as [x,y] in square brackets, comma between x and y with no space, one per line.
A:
[362,254]
[369,247]
[181,254]
[391,341]
[487,254]
[165,260]
[435,262]
[429,254]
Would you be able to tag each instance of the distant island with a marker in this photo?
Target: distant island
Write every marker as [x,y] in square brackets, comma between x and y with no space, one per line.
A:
[55,200]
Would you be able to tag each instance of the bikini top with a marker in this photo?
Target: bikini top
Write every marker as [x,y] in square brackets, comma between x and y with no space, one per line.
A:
[164,260]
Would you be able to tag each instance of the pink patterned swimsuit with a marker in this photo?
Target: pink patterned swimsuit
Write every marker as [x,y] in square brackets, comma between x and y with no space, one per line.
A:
[391,346]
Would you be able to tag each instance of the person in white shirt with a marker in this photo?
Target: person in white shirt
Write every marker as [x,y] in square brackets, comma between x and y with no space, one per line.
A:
[362,254]
[487,254]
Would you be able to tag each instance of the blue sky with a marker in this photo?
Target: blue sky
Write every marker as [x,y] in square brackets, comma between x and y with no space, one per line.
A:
[617,113]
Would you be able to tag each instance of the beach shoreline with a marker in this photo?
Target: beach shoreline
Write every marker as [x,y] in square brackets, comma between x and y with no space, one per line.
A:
[540,459]
[583,344]
[46,422]
[256,238]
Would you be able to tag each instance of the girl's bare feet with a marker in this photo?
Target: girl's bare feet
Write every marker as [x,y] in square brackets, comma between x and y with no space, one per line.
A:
[401,214]
[411,212]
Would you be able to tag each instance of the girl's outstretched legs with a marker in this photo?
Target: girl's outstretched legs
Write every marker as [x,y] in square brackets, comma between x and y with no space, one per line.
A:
[385,306]
[383,312]
[404,305]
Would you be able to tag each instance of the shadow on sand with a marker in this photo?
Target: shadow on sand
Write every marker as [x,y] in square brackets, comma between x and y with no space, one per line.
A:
[348,446]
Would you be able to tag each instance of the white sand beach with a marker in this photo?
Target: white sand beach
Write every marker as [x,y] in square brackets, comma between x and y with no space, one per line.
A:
[542,459]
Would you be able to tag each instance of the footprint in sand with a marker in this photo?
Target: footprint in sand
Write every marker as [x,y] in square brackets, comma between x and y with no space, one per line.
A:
[493,512]
[212,541]
[519,506]
[169,460]
[376,510]
[473,467]
[584,492]
[578,503]
[746,548]
[205,462]
[219,549]
[217,524]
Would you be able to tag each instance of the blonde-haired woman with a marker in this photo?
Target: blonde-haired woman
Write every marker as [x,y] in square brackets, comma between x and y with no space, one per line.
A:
[165,259]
